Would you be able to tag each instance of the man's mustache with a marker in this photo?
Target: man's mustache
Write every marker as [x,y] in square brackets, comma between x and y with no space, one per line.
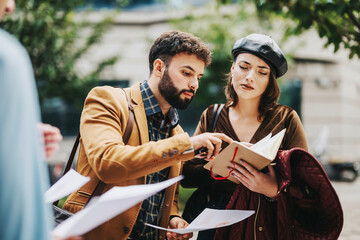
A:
[185,90]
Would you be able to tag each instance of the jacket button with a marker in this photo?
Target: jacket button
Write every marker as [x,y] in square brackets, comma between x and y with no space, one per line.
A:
[260,229]
[175,151]
[164,155]
[170,153]
[126,230]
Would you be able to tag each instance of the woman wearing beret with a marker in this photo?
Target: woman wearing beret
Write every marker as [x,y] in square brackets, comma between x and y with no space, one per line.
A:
[250,114]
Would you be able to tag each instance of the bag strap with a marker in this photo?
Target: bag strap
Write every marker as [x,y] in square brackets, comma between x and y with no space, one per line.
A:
[129,127]
[216,114]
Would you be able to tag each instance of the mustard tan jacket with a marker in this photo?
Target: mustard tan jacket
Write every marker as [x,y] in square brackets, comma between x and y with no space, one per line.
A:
[104,156]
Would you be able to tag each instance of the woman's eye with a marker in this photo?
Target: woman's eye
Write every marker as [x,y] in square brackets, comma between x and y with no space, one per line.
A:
[186,73]
[242,67]
[263,73]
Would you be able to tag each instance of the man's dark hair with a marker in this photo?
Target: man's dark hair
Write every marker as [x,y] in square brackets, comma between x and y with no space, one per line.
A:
[171,43]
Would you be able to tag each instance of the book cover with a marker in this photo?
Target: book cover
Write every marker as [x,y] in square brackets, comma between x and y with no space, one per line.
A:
[258,155]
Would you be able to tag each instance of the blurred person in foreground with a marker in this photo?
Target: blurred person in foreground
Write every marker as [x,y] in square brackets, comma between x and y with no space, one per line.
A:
[23,175]
[157,146]
[250,114]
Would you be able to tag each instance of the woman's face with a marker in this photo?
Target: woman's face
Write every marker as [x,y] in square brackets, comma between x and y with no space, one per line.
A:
[250,76]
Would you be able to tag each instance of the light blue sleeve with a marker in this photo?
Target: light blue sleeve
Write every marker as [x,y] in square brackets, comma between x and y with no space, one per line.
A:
[23,173]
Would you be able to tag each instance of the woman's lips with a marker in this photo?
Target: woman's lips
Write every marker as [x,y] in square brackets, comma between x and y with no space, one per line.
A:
[247,87]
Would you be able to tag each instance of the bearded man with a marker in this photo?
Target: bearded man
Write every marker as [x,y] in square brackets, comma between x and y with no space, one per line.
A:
[157,146]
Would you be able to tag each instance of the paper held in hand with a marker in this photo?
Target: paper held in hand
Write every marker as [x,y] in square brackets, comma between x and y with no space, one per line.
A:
[258,155]
[211,218]
[67,184]
[107,206]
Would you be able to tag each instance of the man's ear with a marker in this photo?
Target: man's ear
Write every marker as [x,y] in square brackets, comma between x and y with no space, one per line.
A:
[158,67]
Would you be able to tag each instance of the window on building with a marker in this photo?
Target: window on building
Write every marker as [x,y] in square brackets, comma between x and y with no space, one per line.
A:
[290,94]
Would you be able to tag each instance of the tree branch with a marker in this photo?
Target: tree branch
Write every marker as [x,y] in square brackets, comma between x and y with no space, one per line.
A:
[353,18]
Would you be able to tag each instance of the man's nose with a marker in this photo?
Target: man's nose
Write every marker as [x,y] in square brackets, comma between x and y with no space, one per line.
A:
[194,84]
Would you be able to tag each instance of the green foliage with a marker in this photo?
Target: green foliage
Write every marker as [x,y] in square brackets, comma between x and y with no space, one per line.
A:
[210,27]
[184,194]
[336,20]
[62,202]
[53,34]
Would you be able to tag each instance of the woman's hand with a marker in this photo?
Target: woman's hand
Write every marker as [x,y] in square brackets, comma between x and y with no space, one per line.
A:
[264,183]
[178,222]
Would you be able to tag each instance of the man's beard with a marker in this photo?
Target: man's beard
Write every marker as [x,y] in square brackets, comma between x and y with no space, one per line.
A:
[171,93]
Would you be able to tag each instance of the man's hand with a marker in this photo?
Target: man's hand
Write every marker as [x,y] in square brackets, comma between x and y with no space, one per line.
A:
[211,141]
[52,138]
[178,222]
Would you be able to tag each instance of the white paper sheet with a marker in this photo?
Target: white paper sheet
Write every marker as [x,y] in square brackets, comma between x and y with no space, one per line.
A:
[69,183]
[109,205]
[211,218]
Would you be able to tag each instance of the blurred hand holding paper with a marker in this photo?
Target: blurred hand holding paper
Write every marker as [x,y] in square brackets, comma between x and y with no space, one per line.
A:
[69,183]
[109,205]
[258,155]
[211,218]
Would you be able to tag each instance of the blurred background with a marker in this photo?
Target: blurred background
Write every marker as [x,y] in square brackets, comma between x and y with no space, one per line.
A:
[76,45]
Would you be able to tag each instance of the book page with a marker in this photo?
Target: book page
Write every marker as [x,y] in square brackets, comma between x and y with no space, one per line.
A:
[271,146]
[259,145]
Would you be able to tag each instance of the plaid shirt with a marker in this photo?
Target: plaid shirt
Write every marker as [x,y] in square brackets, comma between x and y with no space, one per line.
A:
[160,127]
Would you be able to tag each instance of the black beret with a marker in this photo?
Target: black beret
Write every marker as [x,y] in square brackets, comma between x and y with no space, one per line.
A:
[265,48]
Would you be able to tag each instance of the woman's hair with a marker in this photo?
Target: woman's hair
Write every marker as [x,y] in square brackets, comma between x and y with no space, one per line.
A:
[268,99]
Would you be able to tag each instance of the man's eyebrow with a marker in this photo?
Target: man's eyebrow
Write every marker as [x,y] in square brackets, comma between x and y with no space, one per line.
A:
[193,70]
[189,67]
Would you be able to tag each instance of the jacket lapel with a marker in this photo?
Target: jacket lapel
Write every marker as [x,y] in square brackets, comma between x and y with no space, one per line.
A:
[139,111]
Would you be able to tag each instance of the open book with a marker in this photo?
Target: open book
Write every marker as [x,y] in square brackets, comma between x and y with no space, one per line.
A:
[258,155]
